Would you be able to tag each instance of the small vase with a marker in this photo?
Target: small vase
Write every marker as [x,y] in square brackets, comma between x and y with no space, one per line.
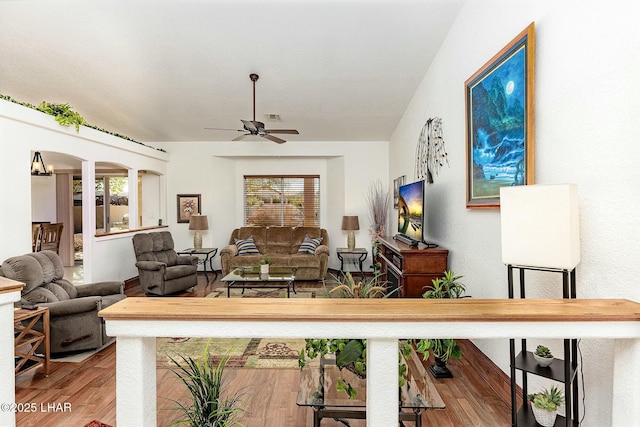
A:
[264,268]
[543,417]
[543,361]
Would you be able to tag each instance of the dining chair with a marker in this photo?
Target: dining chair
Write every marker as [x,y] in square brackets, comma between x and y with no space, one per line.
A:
[50,237]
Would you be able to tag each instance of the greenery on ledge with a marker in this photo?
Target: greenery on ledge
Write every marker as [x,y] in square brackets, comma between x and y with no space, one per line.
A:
[65,116]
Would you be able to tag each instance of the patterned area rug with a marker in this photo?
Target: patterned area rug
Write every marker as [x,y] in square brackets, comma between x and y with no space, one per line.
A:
[245,352]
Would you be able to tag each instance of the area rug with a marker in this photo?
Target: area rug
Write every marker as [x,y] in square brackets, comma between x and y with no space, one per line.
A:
[80,356]
[96,423]
[244,352]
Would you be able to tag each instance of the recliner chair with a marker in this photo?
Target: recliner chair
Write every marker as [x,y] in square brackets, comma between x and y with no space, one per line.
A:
[74,323]
[161,270]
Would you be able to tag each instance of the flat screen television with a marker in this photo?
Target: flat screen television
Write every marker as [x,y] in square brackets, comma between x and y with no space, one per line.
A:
[410,210]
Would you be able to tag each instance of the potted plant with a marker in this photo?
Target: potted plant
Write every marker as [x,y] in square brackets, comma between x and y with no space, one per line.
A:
[205,382]
[447,286]
[264,265]
[544,405]
[543,356]
[350,354]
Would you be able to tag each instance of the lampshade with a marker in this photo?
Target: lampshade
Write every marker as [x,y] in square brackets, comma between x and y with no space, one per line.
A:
[350,222]
[198,222]
[540,225]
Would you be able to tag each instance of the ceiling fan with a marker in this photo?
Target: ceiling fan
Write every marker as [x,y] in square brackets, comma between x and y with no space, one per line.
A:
[253,127]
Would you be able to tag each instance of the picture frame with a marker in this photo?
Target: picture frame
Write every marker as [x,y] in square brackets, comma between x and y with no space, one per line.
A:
[187,205]
[397,183]
[499,104]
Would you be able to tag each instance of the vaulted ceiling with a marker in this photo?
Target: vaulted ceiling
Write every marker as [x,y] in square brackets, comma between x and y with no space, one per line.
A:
[163,70]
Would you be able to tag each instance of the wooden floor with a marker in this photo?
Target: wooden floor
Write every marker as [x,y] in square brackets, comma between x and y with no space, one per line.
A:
[478,395]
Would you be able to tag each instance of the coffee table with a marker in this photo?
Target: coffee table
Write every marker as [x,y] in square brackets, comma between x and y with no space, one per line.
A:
[318,391]
[251,278]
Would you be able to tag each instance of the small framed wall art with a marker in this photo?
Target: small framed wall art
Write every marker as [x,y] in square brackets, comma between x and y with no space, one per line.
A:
[188,204]
[499,122]
[397,183]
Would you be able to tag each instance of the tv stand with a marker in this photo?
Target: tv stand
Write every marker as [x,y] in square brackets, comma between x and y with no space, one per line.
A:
[410,268]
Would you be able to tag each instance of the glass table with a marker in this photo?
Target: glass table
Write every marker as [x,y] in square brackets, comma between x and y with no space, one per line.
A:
[251,278]
[318,391]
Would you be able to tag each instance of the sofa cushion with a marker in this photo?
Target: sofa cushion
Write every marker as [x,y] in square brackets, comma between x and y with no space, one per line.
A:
[279,240]
[300,260]
[309,245]
[247,246]
[39,295]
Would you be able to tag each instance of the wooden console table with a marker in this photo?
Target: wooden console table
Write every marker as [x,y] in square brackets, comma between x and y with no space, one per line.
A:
[410,268]
[136,322]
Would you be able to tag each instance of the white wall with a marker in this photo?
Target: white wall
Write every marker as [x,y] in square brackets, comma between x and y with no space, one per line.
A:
[216,169]
[23,130]
[586,111]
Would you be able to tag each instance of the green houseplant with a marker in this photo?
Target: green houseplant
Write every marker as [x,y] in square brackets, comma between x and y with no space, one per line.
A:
[205,382]
[448,286]
[544,405]
[351,354]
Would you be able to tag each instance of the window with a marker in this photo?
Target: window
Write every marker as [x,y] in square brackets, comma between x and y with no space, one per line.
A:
[282,200]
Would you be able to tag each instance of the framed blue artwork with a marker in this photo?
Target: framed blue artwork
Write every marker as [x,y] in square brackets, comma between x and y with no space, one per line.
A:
[499,119]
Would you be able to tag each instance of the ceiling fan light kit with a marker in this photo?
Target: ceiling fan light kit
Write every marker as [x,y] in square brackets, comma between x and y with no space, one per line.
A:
[254,127]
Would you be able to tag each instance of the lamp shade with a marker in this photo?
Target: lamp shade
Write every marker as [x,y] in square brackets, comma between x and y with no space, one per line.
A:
[540,226]
[350,223]
[198,222]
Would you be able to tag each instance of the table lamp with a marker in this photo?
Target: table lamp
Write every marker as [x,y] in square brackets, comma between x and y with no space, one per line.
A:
[198,223]
[350,224]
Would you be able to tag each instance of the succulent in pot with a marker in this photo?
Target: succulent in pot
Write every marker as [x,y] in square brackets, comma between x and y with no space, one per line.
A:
[544,405]
[543,356]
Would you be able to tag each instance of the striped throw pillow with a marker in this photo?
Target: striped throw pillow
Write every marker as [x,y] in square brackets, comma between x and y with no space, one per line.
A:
[309,245]
[247,246]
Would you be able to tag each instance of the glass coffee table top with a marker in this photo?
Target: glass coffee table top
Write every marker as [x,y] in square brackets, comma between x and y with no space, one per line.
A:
[252,274]
[318,387]
[251,278]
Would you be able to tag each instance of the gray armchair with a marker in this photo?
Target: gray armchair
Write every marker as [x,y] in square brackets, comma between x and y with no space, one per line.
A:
[73,309]
[160,269]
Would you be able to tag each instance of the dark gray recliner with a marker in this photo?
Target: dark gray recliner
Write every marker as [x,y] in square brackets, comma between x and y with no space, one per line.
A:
[74,323]
[160,269]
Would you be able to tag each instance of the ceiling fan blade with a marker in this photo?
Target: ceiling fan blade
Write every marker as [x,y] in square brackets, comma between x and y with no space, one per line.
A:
[250,125]
[233,130]
[288,131]
[274,139]
[239,138]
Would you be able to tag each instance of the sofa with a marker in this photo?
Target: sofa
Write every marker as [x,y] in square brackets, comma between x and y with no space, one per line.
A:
[160,269]
[282,246]
[74,324]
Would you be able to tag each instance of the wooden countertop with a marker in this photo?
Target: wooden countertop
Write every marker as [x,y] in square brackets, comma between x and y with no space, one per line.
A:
[373,310]
[8,285]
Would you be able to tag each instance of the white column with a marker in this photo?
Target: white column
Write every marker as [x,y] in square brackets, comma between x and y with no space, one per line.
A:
[7,361]
[626,387]
[88,217]
[133,198]
[382,382]
[136,382]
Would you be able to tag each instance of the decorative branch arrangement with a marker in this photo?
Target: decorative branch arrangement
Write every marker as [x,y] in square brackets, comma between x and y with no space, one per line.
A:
[430,151]
[378,200]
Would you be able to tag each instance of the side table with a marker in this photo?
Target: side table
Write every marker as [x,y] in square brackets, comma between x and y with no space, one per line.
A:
[209,254]
[357,256]
[27,339]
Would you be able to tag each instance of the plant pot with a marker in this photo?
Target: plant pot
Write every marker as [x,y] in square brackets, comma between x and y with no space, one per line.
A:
[543,417]
[264,268]
[440,370]
[543,361]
